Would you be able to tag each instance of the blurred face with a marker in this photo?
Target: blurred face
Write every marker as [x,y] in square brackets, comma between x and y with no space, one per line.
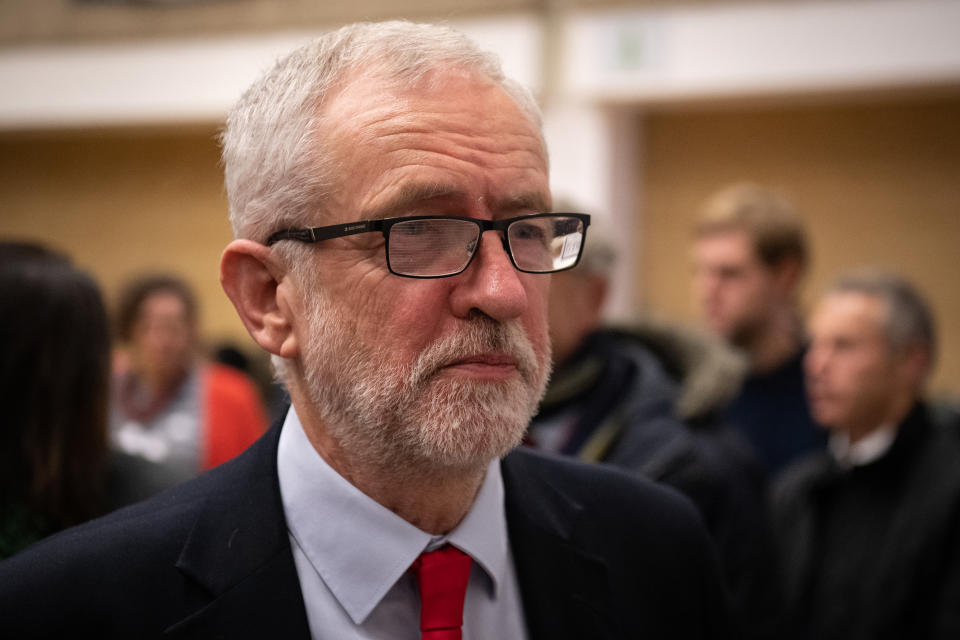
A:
[854,379]
[442,372]
[161,342]
[732,287]
[576,300]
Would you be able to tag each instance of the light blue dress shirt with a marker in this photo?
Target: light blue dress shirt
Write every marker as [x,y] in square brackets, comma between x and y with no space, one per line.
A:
[352,554]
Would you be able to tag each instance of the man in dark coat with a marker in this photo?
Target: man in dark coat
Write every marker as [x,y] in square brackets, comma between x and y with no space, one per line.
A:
[869,530]
[410,330]
[636,399]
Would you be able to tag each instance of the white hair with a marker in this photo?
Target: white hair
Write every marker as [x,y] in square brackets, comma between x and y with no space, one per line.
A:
[276,169]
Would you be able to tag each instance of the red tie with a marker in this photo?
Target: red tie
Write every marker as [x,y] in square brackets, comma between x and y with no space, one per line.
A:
[442,576]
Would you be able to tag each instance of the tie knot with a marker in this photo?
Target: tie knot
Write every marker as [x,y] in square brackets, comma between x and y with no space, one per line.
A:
[442,577]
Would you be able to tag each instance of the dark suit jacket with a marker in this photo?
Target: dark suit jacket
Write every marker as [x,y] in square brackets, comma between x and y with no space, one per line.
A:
[894,525]
[620,393]
[598,555]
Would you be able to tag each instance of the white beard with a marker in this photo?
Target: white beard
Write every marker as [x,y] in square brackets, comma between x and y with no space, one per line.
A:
[403,415]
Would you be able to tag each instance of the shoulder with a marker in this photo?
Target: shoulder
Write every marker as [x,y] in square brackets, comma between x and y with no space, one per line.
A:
[942,426]
[799,477]
[107,572]
[622,540]
[932,470]
[145,529]
[600,493]
[86,575]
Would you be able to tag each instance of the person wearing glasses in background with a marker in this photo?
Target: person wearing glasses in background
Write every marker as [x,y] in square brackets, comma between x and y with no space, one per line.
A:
[387,187]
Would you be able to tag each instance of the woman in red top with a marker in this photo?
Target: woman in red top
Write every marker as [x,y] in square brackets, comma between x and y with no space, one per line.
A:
[174,412]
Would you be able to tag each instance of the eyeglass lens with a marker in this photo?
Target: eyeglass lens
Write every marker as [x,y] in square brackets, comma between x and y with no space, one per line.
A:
[433,247]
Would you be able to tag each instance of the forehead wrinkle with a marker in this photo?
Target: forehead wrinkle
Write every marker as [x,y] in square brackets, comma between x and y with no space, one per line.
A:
[517,150]
[407,137]
[409,194]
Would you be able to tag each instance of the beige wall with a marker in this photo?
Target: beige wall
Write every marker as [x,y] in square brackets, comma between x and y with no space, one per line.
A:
[879,184]
[24,21]
[121,202]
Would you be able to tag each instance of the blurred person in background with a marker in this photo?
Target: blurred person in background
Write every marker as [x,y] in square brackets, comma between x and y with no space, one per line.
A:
[749,255]
[645,399]
[180,414]
[869,529]
[54,380]
[258,369]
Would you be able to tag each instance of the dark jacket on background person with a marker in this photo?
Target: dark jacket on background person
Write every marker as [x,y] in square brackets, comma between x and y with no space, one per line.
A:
[873,551]
[771,412]
[598,554]
[618,405]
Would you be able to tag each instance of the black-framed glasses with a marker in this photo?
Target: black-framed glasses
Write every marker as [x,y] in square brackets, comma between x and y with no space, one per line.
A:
[441,246]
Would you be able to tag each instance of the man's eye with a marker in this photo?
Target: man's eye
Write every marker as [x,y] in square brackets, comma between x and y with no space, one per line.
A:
[411,228]
[528,232]
[844,344]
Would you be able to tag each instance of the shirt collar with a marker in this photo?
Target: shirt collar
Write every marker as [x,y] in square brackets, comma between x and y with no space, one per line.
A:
[867,449]
[359,547]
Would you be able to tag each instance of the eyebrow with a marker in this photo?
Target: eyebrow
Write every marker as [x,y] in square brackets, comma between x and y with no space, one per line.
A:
[535,202]
[413,193]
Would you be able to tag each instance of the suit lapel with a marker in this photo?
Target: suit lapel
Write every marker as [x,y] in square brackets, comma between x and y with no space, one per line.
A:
[268,604]
[243,580]
[238,558]
[565,591]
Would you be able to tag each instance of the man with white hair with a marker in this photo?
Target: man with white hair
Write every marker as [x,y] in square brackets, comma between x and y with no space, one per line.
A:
[388,190]
[869,529]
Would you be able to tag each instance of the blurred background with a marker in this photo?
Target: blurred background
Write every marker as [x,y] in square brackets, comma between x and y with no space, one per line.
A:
[109,112]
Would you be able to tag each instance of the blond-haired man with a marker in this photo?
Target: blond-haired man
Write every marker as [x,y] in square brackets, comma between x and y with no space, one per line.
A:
[750,253]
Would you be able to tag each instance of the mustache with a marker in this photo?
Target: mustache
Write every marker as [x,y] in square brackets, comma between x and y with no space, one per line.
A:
[481,335]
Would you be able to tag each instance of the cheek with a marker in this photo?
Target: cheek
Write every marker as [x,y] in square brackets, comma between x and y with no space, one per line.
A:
[877,381]
[535,319]
[756,291]
[861,381]
[845,378]
[409,318]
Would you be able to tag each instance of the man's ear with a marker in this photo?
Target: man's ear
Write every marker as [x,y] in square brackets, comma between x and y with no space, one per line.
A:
[251,278]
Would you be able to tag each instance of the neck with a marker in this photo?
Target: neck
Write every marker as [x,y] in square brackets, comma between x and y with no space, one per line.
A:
[895,412]
[432,499]
[776,342]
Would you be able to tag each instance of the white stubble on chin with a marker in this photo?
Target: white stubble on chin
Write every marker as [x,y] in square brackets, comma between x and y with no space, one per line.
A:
[386,414]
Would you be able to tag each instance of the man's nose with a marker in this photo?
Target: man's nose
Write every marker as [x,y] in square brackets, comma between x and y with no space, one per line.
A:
[815,361]
[490,284]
